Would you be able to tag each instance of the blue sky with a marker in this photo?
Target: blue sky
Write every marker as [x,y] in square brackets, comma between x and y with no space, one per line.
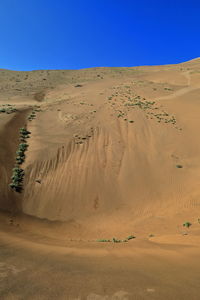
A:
[62,34]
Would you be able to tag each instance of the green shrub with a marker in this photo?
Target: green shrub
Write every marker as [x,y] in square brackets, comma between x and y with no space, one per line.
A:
[130,237]
[20,159]
[17,179]
[179,166]
[187,224]
[18,173]
[116,240]
[23,146]
[23,131]
[103,240]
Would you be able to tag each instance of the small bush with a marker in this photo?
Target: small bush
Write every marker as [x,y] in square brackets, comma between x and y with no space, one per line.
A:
[23,131]
[103,240]
[18,173]
[130,237]
[179,166]
[114,240]
[17,179]
[187,224]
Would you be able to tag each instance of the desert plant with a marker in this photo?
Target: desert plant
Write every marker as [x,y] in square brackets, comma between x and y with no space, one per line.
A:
[114,240]
[187,224]
[24,131]
[18,173]
[130,237]
[17,179]
[103,240]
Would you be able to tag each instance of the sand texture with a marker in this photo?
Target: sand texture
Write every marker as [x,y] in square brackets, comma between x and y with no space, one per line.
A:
[112,153]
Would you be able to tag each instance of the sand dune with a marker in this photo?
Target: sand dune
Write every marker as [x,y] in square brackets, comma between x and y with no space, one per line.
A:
[113,152]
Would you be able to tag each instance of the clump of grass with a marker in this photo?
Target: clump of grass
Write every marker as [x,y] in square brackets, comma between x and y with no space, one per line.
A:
[24,134]
[121,114]
[32,116]
[130,237]
[114,240]
[7,108]
[103,241]
[187,224]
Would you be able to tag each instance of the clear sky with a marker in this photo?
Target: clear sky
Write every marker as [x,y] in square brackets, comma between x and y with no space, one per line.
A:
[74,34]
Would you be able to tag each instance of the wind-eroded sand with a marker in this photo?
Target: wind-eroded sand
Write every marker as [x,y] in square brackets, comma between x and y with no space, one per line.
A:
[113,152]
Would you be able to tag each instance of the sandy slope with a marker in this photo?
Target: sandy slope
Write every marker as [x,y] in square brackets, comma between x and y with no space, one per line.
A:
[102,163]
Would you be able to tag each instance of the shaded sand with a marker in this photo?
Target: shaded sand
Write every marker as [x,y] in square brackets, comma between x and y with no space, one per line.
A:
[113,152]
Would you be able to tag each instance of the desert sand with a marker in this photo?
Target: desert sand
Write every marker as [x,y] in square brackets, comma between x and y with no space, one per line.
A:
[112,175]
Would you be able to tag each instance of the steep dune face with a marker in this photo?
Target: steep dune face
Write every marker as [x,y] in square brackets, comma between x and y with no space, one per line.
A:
[75,181]
[125,168]
[115,146]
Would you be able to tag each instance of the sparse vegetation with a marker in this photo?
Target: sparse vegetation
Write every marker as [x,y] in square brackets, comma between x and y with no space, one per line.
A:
[7,108]
[133,101]
[187,224]
[32,115]
[130,237]
[179,166]
[103,240]
[17,179]
[114,240]
[18,173]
